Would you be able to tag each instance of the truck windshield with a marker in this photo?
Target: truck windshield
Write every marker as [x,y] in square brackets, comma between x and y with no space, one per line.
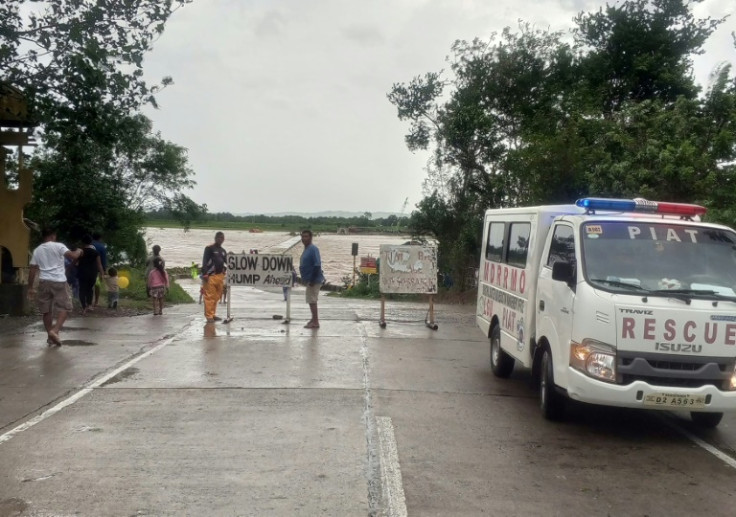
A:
[659,257]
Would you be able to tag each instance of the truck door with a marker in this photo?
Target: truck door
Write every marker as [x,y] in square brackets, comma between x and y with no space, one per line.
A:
[555,301]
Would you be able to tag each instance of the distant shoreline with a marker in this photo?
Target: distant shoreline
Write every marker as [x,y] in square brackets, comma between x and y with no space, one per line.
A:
[294,228]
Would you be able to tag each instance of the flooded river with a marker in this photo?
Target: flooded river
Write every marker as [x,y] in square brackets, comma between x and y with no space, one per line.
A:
[181,248]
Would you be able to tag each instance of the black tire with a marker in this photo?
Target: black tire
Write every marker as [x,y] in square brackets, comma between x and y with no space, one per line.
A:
[502,364]
[551,402]
[706,420]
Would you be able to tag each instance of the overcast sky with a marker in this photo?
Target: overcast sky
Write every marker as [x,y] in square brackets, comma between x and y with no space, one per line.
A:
[282,103]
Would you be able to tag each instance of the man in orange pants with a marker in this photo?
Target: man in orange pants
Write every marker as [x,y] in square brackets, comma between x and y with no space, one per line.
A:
[214,264]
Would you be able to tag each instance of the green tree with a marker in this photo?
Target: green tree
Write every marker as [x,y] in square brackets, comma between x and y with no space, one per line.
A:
[111,184]
[527,118]
[505,91]
[640,50]
[99,164]
[45,45]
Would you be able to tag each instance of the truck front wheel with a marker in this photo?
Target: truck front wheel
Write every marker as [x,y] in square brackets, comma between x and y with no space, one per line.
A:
[707,420]
[551,402]
[502,364]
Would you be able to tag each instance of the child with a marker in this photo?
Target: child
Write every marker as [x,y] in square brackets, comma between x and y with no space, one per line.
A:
[158,284]
[113,290]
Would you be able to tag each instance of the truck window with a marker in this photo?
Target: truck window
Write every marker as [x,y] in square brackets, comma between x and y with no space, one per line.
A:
[494,244]
[518,244]
[659,256]
[562,246]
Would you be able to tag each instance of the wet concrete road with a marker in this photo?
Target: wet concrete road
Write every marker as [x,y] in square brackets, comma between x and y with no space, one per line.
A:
[170,416]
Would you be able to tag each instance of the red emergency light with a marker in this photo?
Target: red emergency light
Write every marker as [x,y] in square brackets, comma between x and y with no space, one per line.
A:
[640,205]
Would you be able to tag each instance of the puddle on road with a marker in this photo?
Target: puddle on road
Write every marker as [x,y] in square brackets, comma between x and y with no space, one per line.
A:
[66,342]
[77,342]
[40,328]
[128,372]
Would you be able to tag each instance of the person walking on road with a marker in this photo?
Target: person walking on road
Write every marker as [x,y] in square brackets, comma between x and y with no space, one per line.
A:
[88,272]
[214,264]
[102,250]
[47,264]
[310,268]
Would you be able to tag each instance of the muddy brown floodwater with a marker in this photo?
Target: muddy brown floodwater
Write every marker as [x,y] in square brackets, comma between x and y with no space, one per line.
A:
[181,248]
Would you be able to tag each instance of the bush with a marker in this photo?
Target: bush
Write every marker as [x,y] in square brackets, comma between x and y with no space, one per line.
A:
[367,287]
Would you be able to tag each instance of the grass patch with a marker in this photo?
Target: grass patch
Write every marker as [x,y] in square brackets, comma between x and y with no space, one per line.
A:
[134,296]
[367,288]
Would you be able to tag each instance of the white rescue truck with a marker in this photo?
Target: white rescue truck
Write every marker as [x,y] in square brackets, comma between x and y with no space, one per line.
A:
[616,302]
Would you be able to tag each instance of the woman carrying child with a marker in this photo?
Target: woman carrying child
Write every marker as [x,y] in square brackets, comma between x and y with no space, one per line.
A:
[158,283]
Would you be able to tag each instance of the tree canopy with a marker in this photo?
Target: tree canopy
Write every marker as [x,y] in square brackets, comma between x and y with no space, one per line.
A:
[100,164]
[533,116]
[67,52]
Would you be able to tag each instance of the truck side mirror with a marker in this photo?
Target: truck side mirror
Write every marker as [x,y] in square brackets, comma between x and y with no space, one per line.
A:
[563,271]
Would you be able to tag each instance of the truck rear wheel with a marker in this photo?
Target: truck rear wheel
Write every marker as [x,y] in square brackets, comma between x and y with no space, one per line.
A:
[502,364]
[707,420]
[551,402]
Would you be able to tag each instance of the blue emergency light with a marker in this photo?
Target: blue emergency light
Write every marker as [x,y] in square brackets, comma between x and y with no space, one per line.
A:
[640,205]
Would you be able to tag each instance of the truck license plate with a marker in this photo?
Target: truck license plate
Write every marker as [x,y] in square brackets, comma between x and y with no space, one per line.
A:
[675,400]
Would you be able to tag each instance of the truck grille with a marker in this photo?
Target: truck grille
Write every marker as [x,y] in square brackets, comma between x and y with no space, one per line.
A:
[674,370]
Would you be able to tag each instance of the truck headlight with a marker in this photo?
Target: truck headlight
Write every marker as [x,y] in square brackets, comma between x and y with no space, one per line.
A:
[732,384]
[594,359]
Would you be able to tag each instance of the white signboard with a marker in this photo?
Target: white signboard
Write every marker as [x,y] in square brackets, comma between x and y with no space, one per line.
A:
[408,269]
[259,270]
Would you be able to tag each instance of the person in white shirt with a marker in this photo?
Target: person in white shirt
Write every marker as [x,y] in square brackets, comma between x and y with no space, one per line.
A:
[47,264]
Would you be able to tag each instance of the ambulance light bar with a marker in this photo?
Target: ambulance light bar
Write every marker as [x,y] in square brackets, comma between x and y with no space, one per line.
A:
[640,205]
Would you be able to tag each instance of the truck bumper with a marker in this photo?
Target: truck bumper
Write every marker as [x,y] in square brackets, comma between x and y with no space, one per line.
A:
[585,389]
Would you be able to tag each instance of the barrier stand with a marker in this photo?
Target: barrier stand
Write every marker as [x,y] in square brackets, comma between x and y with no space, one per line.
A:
[382,321]
[288,306]
[430,321]
[229,318]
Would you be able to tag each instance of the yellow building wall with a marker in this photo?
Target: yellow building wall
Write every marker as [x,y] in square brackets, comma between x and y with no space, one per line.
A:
[14,234]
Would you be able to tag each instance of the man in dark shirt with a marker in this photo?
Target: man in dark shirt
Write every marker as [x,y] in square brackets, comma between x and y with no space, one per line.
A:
[310,267]
[214,264]
[102,250]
